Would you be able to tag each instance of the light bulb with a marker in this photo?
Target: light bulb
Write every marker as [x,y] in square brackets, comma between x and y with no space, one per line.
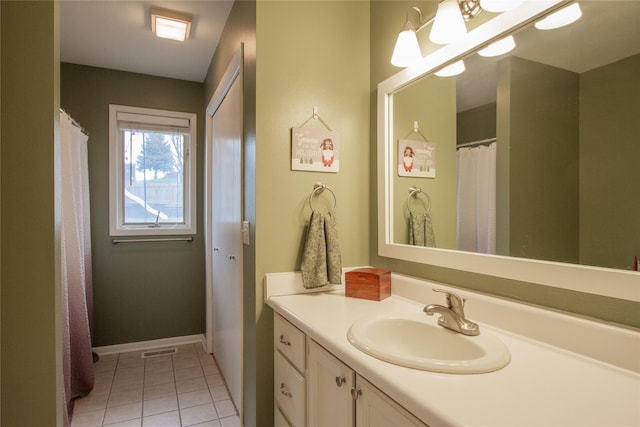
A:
[451,70]
[566,16]
[498,48]
[449,25]
[407,51]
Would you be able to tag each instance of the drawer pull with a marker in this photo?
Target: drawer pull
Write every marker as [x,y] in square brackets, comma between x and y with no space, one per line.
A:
[283,341]
[356,392]
[340,379]
[284,391]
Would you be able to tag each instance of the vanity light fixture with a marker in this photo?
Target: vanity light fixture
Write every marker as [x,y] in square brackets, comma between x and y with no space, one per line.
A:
[171,25]
[498,48]
[448,26]
[451,70]
[561,18]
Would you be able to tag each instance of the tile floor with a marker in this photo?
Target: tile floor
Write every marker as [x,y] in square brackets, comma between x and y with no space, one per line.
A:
[179,390]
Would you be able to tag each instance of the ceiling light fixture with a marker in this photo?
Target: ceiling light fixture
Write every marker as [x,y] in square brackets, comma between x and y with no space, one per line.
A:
[561,18]
[498,48]
[171,25]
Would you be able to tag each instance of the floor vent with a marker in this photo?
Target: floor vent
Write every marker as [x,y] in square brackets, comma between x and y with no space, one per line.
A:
[156,353]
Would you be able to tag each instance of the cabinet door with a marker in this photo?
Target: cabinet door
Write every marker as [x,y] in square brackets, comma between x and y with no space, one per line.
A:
[329,383]
[375,409]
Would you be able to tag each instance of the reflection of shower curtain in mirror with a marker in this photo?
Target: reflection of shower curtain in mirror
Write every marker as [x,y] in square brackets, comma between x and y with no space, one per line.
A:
[75,260]
[477,198]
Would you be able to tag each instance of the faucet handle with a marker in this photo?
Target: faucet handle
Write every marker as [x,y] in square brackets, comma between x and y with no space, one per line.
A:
[454,302]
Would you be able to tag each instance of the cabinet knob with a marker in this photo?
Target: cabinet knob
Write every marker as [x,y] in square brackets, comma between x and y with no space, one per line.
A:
[232,257]
[340,379]
[283,341]
[356,392]
[284,390]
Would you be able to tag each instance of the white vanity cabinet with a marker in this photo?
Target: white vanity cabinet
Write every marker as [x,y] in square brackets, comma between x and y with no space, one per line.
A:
[319,390]
[288,377]
[329,385]
[375,409]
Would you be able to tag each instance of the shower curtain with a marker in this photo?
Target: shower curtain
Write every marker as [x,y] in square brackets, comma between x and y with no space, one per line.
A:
[77,307]
[477,198]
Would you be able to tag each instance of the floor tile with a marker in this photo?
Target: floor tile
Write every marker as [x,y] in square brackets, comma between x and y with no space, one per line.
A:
[120,413]
[198,414]
[127,397]
[131,391]
[225,408]
[194,398]
[160,390]
[88,419]
[129,423]
[91,402]
[156,378]
[186,386]
[219,392]
[159,406]
[168,419]
[230,422]
[188,373]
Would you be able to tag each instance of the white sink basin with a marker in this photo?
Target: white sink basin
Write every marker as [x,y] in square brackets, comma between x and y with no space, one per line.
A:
[416,341]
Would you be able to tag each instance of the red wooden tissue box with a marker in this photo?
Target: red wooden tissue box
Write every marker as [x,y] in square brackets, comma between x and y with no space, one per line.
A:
[368,283]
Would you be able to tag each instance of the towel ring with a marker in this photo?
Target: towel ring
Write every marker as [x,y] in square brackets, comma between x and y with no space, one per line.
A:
[413,192]
[319,187]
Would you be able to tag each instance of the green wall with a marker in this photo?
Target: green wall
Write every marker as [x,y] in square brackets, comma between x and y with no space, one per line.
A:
[30,325]
[476,124]
[542,141]
[432,103]
[609,169]
[309,53]
[142,291]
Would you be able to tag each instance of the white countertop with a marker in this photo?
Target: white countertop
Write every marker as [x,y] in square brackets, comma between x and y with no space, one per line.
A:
[543,385]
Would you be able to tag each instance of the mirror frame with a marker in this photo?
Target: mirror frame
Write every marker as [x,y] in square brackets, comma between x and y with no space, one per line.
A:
[588,279]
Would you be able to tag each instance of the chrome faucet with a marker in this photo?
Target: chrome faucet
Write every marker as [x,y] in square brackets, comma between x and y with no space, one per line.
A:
[452,316]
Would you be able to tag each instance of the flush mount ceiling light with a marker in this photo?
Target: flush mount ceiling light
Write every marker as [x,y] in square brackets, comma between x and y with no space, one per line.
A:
[171,25]
[448,26]
[498,48]
[566,16]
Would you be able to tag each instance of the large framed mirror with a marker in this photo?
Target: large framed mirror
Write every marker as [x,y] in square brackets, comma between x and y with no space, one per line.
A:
[561,113]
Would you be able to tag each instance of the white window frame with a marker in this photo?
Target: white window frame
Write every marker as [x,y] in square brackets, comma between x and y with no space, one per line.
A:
[116,173]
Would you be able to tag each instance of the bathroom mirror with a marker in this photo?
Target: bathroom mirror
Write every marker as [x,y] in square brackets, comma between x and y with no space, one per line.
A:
[531,201]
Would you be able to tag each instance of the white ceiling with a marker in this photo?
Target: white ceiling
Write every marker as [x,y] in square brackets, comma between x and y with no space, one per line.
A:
[116,34]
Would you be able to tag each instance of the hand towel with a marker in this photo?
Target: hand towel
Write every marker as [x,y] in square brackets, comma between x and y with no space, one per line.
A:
[334,259]
[421,230]
[321,259]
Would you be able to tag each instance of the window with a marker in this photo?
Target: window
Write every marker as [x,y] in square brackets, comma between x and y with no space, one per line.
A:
[152,169]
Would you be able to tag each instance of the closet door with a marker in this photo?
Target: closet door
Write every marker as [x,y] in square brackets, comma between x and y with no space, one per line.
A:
[227,239]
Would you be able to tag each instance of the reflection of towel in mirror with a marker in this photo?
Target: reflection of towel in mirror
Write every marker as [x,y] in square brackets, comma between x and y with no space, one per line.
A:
[321,259]
[421,230]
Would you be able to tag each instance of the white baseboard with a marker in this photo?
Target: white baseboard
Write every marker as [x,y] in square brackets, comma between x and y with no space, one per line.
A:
[146,345]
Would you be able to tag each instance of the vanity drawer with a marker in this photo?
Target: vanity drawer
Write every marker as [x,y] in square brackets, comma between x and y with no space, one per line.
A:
[289,340]
[289,390]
